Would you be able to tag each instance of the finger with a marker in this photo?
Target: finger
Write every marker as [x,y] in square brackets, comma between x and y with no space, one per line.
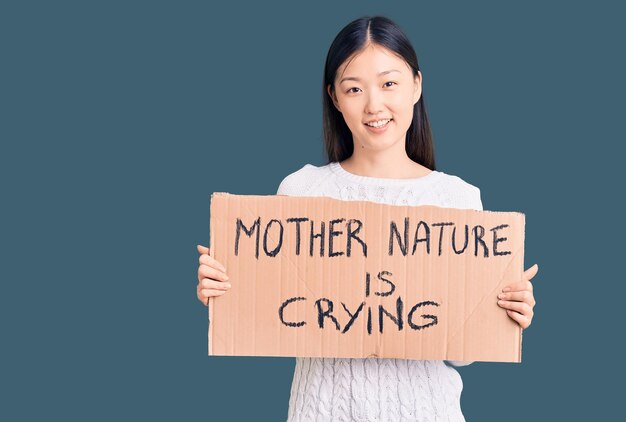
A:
[203,249]
[211,262]
[523,296]
[204,300]
[210,272]
[531,272]
[521,307]
[207,293]
[201,297]
[207,283]
[519,286]
[523,321]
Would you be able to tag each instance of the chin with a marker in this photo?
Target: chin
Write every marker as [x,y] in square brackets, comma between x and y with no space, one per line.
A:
[383,144]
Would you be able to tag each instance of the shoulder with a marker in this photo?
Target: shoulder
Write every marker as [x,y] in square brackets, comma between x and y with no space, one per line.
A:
[300,181]
[454,192]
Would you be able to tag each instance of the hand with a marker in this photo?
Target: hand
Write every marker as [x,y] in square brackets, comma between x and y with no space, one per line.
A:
[518,300]
[212,278]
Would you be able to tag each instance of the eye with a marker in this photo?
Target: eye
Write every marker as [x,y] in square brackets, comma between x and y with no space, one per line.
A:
[390,82]
[350,90]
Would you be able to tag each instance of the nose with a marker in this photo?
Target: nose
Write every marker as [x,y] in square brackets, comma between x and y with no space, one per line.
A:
[374,103]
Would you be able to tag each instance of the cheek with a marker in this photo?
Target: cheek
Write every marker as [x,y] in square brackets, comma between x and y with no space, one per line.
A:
[404,110]
[352,115]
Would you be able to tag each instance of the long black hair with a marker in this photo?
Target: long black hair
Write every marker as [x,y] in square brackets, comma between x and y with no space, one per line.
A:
[351,39]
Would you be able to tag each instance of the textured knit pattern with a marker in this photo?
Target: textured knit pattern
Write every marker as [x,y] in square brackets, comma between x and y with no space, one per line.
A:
[375,389]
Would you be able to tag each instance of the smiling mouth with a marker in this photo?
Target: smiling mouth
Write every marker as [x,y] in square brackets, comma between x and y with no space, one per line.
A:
[379,123]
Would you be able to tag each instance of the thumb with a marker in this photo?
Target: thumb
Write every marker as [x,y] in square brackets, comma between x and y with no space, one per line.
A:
[531,272]
[203,249]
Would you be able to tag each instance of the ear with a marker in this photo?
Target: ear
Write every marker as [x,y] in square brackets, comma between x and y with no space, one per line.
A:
[417,92]
[333,97]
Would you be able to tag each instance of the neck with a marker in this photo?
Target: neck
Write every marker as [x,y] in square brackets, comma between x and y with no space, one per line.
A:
[390,163]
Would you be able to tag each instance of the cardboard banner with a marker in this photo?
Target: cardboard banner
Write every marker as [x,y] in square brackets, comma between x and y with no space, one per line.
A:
[321,277]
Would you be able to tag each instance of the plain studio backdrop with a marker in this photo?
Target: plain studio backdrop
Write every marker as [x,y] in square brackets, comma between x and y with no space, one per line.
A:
[119,119]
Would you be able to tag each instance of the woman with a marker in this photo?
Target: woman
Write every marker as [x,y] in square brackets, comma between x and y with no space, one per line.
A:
[379,148]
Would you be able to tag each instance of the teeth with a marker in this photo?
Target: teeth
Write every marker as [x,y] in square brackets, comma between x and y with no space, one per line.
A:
[378,123]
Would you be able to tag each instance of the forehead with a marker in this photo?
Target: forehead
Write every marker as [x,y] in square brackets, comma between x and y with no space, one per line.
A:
[369,62]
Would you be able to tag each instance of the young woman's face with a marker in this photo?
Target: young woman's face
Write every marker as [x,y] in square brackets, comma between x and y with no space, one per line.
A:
[377,85]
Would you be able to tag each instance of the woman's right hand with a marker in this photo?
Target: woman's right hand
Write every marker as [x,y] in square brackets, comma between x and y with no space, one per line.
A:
[212,278]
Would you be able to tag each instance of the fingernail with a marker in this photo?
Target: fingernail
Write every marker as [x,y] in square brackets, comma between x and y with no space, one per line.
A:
[228,285]
[501,296]
[226,277]
[500,302]
[506,289]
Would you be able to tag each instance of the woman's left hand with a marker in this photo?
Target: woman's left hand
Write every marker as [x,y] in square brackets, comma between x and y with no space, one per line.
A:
[518,300]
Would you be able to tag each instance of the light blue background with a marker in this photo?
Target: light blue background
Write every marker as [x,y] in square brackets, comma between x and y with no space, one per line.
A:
[118,120]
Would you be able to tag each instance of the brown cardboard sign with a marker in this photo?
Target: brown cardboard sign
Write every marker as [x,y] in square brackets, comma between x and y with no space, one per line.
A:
[322,277]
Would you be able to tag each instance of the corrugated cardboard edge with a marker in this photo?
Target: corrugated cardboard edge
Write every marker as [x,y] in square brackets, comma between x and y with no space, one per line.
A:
[212,239]
[521,331]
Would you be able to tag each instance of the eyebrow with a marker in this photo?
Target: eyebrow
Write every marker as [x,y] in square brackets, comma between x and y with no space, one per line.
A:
[350,78]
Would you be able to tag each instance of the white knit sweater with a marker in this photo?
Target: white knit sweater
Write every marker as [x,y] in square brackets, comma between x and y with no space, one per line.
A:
[375,389]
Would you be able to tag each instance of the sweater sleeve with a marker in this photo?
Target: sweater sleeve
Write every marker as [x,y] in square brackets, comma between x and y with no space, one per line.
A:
[298,182]
[473,202]
[287,185]
[282,188]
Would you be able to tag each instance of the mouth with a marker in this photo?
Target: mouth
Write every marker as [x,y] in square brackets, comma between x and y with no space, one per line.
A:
[378,125]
